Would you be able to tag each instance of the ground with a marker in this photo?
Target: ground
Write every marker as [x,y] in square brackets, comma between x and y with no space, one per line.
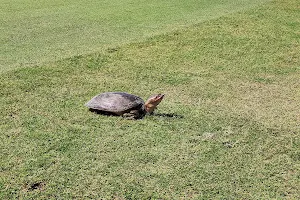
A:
[228,127]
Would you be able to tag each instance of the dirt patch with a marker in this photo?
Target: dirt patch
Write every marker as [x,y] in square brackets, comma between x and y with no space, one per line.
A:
[35,186]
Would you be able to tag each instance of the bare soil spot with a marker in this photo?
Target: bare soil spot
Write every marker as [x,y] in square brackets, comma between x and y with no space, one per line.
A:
[36,186]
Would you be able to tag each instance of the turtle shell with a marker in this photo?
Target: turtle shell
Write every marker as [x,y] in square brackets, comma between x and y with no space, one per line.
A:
[115,102]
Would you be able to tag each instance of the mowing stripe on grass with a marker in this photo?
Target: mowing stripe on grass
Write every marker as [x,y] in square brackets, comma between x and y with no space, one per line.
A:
[34,32]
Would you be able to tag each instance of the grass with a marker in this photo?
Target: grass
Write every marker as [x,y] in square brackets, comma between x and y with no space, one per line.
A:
[227,129]
[34,33]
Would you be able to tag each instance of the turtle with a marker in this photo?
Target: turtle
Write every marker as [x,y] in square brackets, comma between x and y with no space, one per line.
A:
[123,104]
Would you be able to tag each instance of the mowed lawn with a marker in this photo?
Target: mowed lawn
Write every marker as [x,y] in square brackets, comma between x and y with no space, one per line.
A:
[228,127]
[33,32]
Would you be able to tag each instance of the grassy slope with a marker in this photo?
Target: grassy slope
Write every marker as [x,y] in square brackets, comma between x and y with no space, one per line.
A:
[32,32]
[232,87]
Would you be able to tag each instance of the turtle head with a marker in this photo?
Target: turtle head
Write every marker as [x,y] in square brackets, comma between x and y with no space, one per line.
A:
[152,102]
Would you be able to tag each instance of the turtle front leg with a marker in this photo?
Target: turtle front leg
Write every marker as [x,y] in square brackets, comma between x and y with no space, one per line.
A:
[133,114]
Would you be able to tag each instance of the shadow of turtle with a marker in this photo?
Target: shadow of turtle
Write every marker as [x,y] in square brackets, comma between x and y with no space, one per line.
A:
[101,112]
[168,115]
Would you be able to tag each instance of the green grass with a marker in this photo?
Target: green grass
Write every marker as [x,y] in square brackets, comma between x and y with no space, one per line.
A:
[228,127]
[33,33]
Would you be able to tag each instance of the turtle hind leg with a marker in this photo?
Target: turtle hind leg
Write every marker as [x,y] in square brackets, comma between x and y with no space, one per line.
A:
[133,114]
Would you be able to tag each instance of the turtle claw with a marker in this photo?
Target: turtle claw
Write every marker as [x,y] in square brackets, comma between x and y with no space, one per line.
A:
[130,117]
